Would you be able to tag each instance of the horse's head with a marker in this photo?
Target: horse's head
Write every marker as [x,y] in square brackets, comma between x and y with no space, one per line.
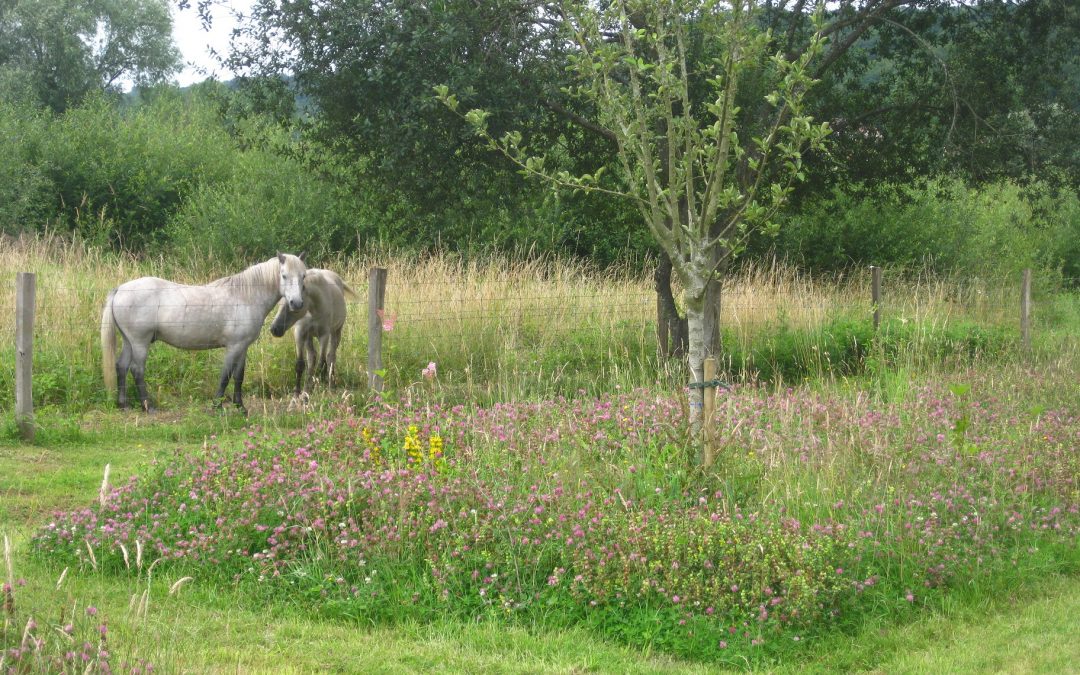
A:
[291,283]
[285,319]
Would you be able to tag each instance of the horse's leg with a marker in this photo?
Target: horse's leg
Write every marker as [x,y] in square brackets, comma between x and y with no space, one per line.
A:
[320,366]
[227,370]
[223,381]
[331,355]
[309,359]
[235,360]
[123,362]
[298,340]
[138,371]
[238,380]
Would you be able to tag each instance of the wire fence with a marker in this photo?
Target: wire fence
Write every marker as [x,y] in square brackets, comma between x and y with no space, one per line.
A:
[497,336]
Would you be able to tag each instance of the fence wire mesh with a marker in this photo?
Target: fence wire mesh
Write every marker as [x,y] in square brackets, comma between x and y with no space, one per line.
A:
[504,336]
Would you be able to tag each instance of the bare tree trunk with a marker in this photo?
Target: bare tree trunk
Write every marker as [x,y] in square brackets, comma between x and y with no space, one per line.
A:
[714,345]
[670,323]
[695,310]
[711,319]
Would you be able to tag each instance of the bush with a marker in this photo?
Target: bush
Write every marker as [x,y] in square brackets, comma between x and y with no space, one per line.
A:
[1060,211]
[846,347]
[119,174]
[998,228]
[271,203]
[25,188]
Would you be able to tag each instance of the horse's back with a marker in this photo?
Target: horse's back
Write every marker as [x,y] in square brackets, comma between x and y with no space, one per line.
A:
[329,304]
[147,284]
[136,303]
[346,290]
[183,315]
[334,278]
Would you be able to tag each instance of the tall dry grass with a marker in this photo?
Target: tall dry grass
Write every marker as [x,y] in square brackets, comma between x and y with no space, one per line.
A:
[496,327]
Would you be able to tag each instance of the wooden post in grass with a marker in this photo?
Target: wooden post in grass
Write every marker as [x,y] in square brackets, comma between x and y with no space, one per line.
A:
[709,426]
[1025,310]
[875,293]
[376,298]
[25,294]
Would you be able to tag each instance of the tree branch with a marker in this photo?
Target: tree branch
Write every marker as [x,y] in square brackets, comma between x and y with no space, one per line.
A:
[583,122]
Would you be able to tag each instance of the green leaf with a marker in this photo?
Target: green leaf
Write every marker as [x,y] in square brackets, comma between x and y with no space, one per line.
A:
[477,118]
[442,93]
[960,390]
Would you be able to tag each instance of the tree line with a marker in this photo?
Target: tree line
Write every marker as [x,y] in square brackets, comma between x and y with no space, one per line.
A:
[953,129]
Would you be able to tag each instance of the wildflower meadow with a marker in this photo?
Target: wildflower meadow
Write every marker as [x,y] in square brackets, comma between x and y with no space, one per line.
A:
[830,505]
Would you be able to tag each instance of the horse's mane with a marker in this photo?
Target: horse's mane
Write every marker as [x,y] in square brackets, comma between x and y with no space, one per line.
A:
[258,275]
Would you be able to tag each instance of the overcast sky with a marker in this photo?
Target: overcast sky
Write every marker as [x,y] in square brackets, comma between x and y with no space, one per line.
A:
[194,43]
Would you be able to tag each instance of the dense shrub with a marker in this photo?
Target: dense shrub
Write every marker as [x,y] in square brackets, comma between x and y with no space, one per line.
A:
[25,187]
[270,203]
[120,173]
[998,228]
[174,165]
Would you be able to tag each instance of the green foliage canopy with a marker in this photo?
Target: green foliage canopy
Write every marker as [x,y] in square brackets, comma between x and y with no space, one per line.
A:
[370,65]
[56,52]
[983,90]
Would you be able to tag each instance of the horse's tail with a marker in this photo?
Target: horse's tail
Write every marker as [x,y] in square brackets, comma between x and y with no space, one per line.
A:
[108,344]
[349,292]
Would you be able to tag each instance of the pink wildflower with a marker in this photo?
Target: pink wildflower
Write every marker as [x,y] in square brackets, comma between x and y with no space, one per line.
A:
[387,320]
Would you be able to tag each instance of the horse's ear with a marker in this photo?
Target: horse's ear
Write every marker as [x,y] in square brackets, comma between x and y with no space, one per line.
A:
[281,257]
[301,256]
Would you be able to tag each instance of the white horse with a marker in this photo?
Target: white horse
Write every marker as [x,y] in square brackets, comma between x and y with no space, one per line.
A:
[225,313]
[322,317]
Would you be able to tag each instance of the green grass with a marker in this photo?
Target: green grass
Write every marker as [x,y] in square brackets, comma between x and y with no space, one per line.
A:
[530,345]
[210,630]
[1022,636]
[203,630]
[215,628]
[1034,631]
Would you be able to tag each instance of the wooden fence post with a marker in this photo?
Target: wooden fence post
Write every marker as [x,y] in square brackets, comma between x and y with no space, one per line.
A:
[709,454]
[875,293]
[25,298]
[376,298]
[1025,310]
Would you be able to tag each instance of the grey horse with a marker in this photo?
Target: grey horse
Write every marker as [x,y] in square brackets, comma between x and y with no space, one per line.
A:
[322,318]
[227,313]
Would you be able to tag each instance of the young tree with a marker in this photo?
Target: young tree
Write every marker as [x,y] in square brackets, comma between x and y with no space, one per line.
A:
[665,78]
